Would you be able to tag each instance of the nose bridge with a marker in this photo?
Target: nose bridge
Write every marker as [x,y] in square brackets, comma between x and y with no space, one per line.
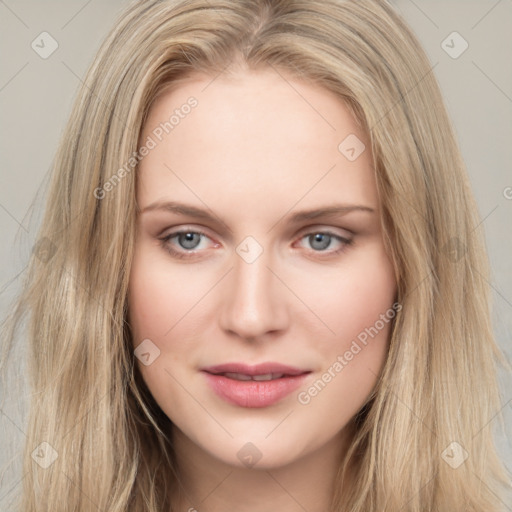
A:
[254,303]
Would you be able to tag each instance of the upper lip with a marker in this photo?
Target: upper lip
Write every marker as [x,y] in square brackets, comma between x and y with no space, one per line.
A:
[258,369]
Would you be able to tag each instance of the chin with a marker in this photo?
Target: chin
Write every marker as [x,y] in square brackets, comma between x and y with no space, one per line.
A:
[257,453]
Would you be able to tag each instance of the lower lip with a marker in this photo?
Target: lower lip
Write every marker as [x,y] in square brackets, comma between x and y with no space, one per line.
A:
[252,393]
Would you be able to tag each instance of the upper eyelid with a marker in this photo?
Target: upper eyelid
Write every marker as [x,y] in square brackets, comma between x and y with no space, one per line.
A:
[180,231]
[305,230]
[316,228]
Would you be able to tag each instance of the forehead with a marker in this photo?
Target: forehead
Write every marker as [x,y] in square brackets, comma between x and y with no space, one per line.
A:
[258,139]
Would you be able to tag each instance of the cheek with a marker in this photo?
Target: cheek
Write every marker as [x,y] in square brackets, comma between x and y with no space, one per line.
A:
[159,297]
[168,306]
[369,294]
[359,309]
[161,309]
[353,296]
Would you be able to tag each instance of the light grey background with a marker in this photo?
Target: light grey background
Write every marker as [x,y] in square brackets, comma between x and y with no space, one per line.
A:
[36,96]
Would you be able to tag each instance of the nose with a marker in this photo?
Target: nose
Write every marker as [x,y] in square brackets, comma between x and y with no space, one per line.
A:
[254,302]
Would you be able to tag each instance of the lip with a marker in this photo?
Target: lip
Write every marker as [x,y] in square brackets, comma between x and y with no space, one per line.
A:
[251,393]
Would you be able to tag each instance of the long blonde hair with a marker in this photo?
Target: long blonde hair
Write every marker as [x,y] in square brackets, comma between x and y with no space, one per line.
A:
[438,390]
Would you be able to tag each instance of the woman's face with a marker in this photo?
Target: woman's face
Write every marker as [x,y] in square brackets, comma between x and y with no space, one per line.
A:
[254,282]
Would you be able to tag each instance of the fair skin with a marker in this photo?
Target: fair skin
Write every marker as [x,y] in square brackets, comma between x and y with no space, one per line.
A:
[254,151]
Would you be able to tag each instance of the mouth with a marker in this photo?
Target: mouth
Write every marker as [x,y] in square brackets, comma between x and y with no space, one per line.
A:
[254,386]
[243,376]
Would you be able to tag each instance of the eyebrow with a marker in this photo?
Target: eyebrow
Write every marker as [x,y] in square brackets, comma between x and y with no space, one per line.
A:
[200,213]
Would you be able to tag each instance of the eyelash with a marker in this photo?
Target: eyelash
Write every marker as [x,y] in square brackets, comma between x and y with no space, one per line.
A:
[189,254]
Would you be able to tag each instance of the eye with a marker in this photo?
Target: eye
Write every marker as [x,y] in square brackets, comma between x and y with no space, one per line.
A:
[187,240]
[320,241]
[186,243]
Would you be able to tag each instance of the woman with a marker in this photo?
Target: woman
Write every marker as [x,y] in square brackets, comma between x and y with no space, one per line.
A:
[257,282]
